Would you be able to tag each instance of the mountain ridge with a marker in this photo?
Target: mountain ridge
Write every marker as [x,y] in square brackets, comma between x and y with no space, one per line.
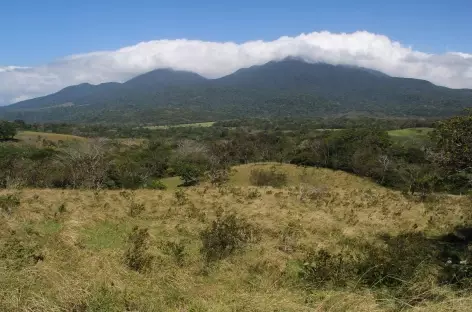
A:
[279,88]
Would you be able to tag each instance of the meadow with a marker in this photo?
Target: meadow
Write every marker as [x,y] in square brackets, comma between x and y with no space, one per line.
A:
[77,250]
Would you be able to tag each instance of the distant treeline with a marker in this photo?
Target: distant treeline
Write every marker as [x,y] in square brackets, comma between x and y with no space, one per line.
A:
[440,162]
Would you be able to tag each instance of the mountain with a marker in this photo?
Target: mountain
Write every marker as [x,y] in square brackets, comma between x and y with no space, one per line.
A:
[277,89]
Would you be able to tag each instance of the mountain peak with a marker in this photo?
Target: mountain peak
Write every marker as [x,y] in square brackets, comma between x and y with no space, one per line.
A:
[165,77]
[289,87]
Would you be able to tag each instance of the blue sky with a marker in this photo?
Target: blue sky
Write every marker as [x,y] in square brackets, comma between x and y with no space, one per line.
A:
[36,32]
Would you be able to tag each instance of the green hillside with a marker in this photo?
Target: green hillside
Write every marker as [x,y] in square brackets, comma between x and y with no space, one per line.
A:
[289,88]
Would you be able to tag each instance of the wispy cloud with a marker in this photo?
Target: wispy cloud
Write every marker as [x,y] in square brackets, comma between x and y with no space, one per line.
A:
[215,59]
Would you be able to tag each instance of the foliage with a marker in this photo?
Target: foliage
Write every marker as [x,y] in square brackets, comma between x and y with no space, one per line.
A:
[226,235]
[156,185]
[7,130]
[20,250]
[137,257]
[271,177]
[135,209]
[275,90]
[454,143]
[177,250]
[189,173]
[9,202]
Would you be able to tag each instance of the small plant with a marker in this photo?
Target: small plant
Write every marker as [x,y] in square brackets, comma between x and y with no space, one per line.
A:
[136,209]
[177,250]
[263,177]
[156,185]
[218,177]
[253,194]
[20,250]
[321,269]
[189,173]
[8,203]
[127,195]
[181,197]
[137,257]
[226,235]
[62,208]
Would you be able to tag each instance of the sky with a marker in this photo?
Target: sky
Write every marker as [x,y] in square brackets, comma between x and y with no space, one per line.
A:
[49,44]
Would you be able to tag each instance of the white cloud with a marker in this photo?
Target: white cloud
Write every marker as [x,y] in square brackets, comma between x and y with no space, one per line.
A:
[216,59]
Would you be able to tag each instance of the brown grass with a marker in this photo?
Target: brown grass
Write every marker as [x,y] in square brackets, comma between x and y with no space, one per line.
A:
[31,137]
[83,245]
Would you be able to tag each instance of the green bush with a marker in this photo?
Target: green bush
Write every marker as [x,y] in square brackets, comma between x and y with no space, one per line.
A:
[7,130]
[189,173]
[20,250]
[181,197]
[135,209]
[137,257]
[8,203]
[263,177]
[156,185]
[321,269]
[177,250]
[226,235]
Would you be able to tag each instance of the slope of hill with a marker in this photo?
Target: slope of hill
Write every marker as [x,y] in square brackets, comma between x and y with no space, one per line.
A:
[68,250]
[286,88]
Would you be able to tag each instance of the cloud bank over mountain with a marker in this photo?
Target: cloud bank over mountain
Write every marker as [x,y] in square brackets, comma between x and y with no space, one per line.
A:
[216,59]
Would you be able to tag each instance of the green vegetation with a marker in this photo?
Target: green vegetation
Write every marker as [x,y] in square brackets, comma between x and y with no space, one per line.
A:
[411,136]
[7,130]
[245,215]
[406,158]
[327,240]
[191,125]
[273,90]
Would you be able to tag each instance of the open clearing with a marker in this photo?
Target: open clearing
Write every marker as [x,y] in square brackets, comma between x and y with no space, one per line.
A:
[80,238]
[414,137]
[32,136]
[197,124]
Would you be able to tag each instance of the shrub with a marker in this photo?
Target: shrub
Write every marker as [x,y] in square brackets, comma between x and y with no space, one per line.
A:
[181,197]
[8,203]
[136,209]
[189,173]
[321,269]
[7,130]
[177,250]
[262,177]
[62,208]
[399,261]
[156,185]
[227,234]
[137,257]
[218,176]
[20,250]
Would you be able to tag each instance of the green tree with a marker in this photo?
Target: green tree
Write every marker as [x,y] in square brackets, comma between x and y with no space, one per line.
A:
[454,143]
[7,130]
[189,173]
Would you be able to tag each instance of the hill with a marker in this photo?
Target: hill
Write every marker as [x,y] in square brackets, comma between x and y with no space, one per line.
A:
[277,89]
[70,250]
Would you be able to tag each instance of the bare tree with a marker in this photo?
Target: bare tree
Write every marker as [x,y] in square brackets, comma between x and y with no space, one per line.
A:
[384,161]
[85,163]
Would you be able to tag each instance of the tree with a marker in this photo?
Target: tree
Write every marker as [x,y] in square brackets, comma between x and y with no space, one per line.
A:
[454,144]
[189,173]
[7,130]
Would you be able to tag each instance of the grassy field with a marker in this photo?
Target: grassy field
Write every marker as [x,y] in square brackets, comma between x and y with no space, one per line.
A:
[64,250]
[411,136]
[31,137]
[198,124]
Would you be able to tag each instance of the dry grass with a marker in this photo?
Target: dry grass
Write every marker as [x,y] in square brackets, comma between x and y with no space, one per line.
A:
[196,124]
[83,241]
[32,137]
